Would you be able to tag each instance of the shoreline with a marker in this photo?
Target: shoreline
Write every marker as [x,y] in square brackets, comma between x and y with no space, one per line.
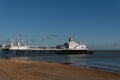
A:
[41,70]
[98,68]
[68,64]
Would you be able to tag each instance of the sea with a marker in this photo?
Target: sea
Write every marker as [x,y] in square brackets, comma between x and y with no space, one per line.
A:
[108,60]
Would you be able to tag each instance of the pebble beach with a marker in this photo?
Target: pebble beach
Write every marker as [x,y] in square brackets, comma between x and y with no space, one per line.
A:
[30,70]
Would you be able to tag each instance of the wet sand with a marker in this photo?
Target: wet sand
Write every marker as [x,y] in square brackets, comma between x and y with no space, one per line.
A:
[28,70]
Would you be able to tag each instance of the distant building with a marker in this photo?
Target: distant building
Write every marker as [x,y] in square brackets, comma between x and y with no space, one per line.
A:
[73,45]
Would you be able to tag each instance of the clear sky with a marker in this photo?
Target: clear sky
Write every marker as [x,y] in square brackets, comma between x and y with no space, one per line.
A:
[95,22]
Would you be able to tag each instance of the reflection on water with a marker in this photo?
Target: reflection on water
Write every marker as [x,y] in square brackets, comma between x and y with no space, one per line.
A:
[34,56]
[108,60]
[38,56]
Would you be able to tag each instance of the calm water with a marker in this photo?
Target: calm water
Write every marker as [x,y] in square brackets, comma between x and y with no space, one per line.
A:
[107,60]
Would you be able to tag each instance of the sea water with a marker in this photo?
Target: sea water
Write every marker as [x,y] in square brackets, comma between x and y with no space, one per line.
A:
[106,60]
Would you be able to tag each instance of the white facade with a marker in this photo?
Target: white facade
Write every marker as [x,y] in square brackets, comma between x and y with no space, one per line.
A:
[18,47]
[77,46]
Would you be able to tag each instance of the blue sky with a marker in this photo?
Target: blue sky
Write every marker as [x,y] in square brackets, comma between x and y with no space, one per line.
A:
[95,22]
